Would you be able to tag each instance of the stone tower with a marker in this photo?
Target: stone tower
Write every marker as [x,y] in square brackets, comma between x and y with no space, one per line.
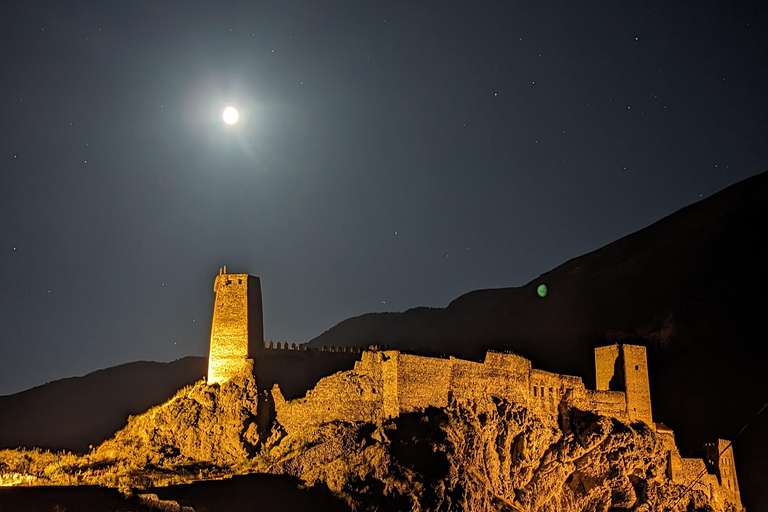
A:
[625,368]
[237,332]
[719,455]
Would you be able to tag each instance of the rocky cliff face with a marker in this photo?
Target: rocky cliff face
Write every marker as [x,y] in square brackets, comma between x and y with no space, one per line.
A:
[505,458]
[210,424]
[454,459]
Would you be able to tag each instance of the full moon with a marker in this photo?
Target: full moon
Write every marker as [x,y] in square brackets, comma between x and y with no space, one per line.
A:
[230,115]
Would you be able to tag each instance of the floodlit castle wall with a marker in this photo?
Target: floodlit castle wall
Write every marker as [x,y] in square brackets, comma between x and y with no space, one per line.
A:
[507,376]
[667,438]
[387,365]
[468,383]
[720,456]
[606,403]
[500,375]
[344,396]
[422,382]
[625,368]
[693,473]
[546,391]
[605,366]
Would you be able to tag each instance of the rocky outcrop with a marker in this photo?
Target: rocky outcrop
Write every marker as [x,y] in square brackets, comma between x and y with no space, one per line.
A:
[505,459]
[489,454]
[210,424]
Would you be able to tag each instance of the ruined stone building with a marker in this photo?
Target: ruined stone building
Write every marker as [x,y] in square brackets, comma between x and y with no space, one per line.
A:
[323,385]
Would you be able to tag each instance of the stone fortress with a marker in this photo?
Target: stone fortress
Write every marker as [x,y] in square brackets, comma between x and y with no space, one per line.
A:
[316,386]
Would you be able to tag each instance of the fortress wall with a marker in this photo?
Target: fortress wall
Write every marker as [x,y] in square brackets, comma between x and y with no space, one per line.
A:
[690,470]
[513,363]
[607,403]
[388,367]
[422,382]
[605,364]
[467,380]
[506,377]
[721,495]
[684,471]
[506,384]
[545,392]
[344,396]
[669,446]
[675,466]
[369,362]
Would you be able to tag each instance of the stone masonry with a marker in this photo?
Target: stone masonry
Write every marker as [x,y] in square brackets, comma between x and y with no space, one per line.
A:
[237,328]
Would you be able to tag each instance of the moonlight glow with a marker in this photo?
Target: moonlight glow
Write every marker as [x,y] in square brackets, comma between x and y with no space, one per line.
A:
[230,115]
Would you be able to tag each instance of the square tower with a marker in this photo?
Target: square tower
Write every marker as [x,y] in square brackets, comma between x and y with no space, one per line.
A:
[719,456]
[625,368]
[237,331]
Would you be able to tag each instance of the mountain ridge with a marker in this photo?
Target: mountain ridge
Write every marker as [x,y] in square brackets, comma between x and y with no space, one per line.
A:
[106,397]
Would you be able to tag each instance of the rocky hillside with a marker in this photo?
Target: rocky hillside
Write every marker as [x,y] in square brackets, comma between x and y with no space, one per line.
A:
[438,459]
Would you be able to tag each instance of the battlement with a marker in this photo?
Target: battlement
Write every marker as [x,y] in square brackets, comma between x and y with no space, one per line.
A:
[271,345]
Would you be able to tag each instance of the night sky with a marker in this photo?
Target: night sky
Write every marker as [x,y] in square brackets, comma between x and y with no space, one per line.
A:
[389,155]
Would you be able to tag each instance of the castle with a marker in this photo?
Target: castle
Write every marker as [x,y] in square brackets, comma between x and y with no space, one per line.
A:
[348,384]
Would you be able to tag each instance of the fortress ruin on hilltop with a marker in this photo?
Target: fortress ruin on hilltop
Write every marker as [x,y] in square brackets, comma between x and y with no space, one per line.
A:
[314,386]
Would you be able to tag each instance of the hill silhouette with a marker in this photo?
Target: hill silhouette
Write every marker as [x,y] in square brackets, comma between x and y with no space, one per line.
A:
[73,413]
[691,287]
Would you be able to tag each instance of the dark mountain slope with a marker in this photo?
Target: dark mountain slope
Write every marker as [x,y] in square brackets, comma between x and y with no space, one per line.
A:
[80,411]
[698,269]
[691,287]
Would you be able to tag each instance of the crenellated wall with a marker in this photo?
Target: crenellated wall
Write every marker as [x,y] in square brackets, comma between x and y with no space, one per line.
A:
[387,383]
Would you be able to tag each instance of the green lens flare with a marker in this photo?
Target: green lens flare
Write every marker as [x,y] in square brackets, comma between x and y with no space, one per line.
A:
[542,290]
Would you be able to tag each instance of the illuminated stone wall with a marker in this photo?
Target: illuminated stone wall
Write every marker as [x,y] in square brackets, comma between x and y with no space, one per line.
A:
[637,386]
[693,474]
[720,457]
[422,382]
[385,384]
[605,367]
[237,328]
[625,368]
